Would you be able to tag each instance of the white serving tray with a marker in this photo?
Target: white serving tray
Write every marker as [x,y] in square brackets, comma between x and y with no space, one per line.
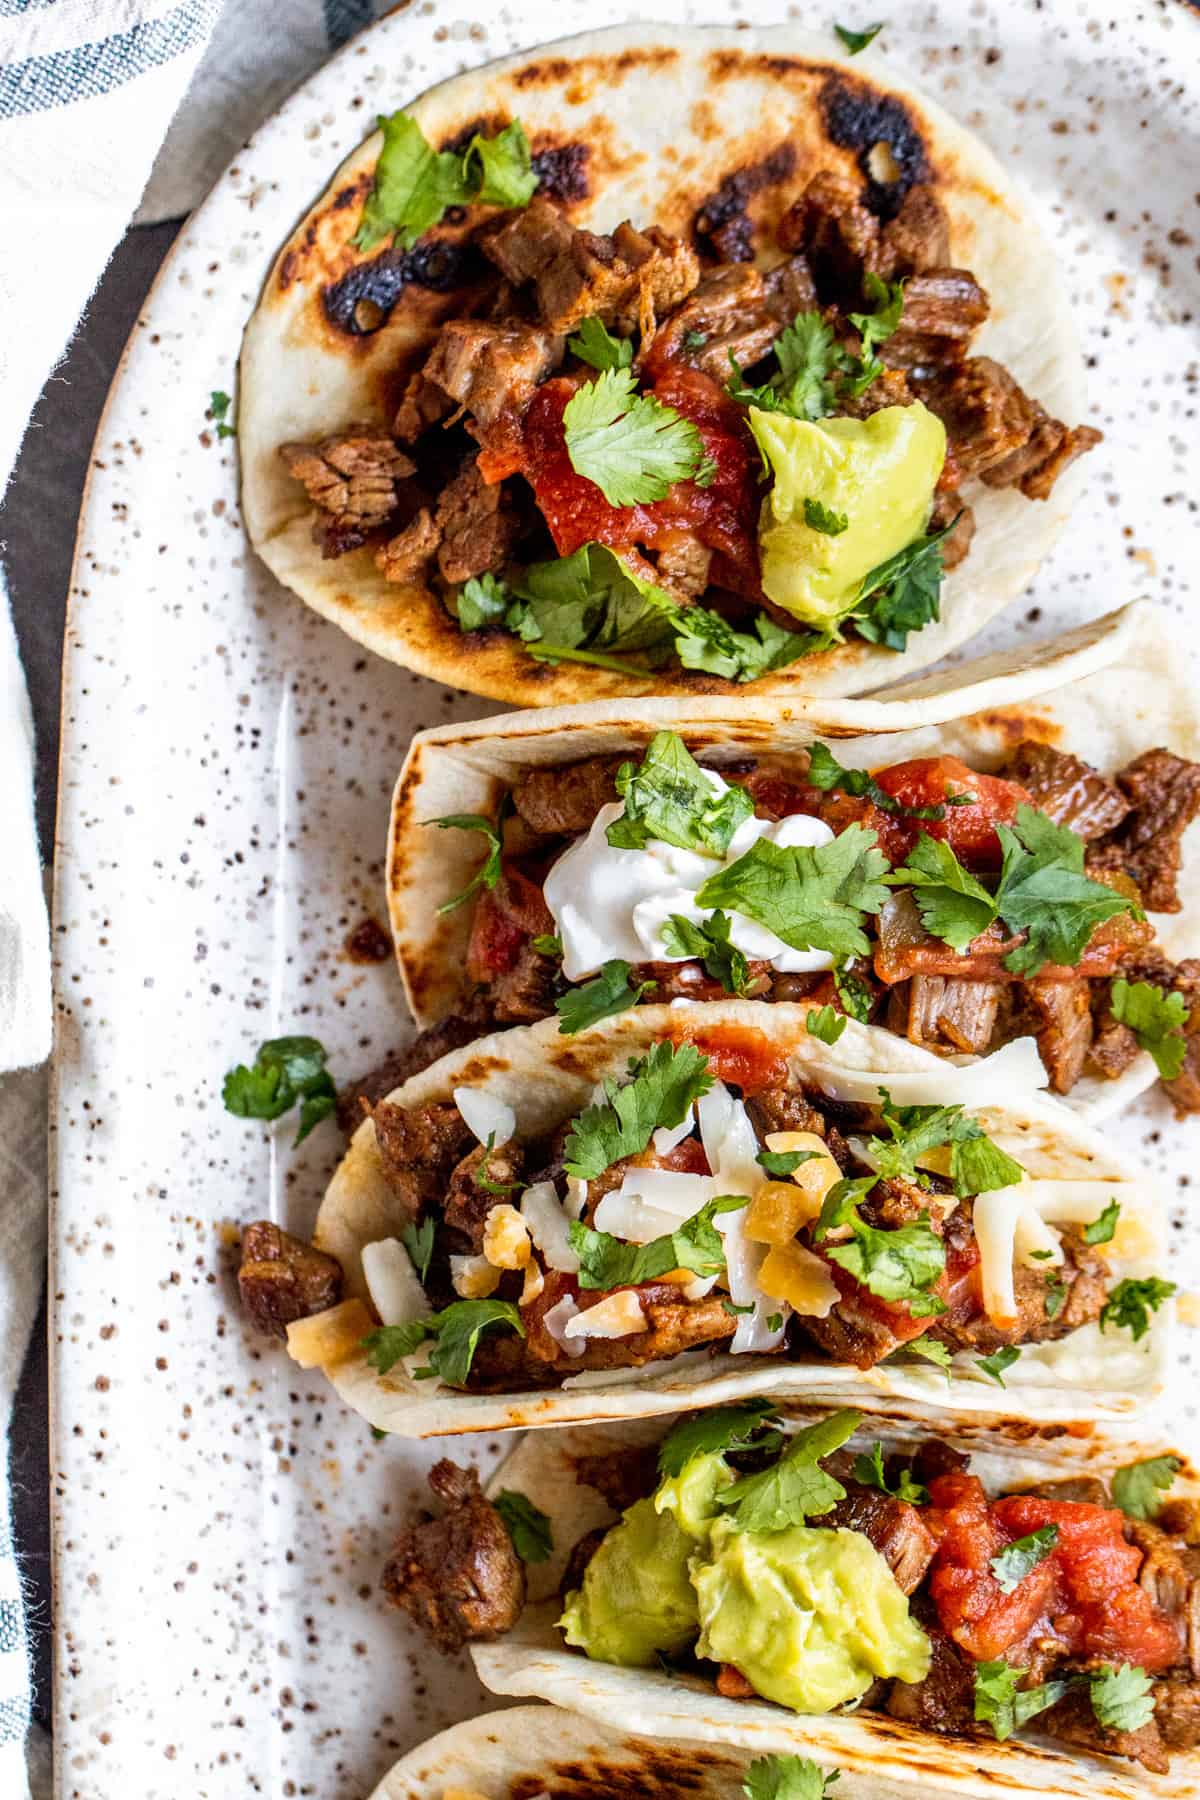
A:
[226,768]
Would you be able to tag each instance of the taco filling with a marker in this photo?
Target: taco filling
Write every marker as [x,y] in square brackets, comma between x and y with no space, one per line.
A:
[957,908]
[712,1200]
[634,448]
[790,1565]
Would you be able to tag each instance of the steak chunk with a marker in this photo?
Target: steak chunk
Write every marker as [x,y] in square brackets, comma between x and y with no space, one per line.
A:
[564,802]
[1066,788]
[683,564]
[942,1012]
[986,415]
[422,404]
[467,1203]
[1073,1721]
[1164,791]
[491,369]
[1084,1489]
[476,525]
[418,1147]
[838,234]
[918,238]
[525,991]
[406,556]
[783,1109]
[851,1334]
[728,313]
[282,1279]
[945,1700]
[1085,1277]
[943,309]
[623,1479]
[457,1576]
[1036,465]
[1177,1712]
[947,506]
[436,1041]
[1063,1011]
[895,1528]
[353,479]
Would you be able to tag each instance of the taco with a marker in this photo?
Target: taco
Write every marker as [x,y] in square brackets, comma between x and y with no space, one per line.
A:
[995,1612]
[686,850]
[530,1751]
[657,361]
[676,1207]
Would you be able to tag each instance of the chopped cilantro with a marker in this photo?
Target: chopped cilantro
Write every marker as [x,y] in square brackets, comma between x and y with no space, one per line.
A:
[1137,1486]
[483,600]
[457,1329]
[903,594]
[814,897]
[607,1262]
[774,1321]
[873,328]
[995,1364]
[930,1350]
[286,1070]
[591,603]
[1055,1295]
[823,519]
[1044,892]
[795,1487]
[977,1165]
[526,1524]
[695,340]
[706,1432]
[902,1264]
[414,184]
[632,446]
[954,906]
[824,1023]
[595,344]
[802,385]
[1103,1229]
[870,1471]
[710,942]
[1130,1304]
[826,772]
[1021,1557]
[706,472]
[481,1178]
[418,1241]
[782,1163]
[668,797]
[610,992]
[787,1778]
[1156,1020]
[1000,1703]
[854,994]
[858,40]
[545,945]
[488,873]
[218,407]
[499,170]
[708,642]
[1122,1699]
[661,1089]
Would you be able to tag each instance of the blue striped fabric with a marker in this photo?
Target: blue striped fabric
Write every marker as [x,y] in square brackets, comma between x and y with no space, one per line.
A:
[89,70]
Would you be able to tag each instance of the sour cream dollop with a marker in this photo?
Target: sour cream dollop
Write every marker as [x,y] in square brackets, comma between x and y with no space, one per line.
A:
[615,903]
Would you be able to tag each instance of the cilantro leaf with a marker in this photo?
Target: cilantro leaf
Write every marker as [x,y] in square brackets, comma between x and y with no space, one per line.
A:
[709,940]
[545,945]
[414,184]
[707,641]
[610,992]
[858,40]
[1055,1296]
[854,994]
[457,1329]
[795,1487]
[218,409]
[708,1432]
[1103,1229]
[782,1163]
[498,171]
[1000,1703]
[1136,1486]
[526,1524]
[931,1350]
[1131,1302]
[669,798]
[1018,1559]
[285,1071]
[1044,893]
[632,446]
[823,519]
[488,873]
[591,602]
[787,1778]
[814,897]
[661,1089]
[595,344]
[870,1471]
[806,355]
[904,592]
[1122,1699]
[977,1165]
[418,1241]
[953,904]
[873,328]
[1156,1020]
[901,1264]
[483,600]
[607,1262]
[824,1023]
[995,1364]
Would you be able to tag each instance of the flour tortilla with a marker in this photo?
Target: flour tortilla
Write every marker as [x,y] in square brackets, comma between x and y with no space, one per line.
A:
[531,1659]
[665,113]
[547,1078]
[1106,691]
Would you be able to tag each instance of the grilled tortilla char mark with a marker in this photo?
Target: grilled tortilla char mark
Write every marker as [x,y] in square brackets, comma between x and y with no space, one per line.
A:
[282,1279]
[457,1575]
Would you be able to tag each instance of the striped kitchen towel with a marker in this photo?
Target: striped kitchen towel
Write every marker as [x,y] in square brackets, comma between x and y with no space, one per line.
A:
[91,128]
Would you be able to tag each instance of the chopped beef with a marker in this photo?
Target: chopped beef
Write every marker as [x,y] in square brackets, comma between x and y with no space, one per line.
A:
[689,981]
[467,1204]
[851,1334]
[477,527]
[1066,788]
[942,1012]
[282,1279]
[404,557]
[1084,1489]
[1085,1276]
[918,238]
[625,279]
[895,1528]
[525,991]
[491,368]
[436,1041]
[888,389]
[581,1555]
[946,506]
[1113,1048]
[1180,1518]
[934,1457]
[790,288]
[1164,791]
[1177,1712]
[672,1324]
[837,233]
[683,564]
[945,1700]
[1063,1011]
[563,802]
[1163,1575]
[457,1576]
[353,479]
[1073,1721]
[986,415]
[422,404]
[623,1479]
[1036,465]
[727,313]
[418,1147]
[943,309]
[783,1109]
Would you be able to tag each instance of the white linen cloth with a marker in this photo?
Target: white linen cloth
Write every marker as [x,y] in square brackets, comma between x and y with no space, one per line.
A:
[88,90]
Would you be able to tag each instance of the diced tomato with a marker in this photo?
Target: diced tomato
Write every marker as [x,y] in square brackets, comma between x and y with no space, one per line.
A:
[723,515]
[505,916]
[1083,1595]
[969,830]
[739,1055]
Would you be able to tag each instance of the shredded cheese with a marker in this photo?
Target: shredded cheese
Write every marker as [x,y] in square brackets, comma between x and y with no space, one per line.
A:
[1006,1077]
[549,1225]
[616,1316]
[485,1115]
[473,1277]
[506,1238]
[330,1337]
[396,1293]
[556,1319]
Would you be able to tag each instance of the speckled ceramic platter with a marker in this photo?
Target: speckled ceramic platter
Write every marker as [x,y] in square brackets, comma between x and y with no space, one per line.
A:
[227,764]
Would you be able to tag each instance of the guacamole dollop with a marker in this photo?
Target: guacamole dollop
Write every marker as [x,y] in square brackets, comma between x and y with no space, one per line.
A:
[878,473]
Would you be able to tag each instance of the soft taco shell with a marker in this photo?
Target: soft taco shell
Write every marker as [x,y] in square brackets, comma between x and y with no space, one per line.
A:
[661,115]
[1106,691]
[546,1078]
[531,1659]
